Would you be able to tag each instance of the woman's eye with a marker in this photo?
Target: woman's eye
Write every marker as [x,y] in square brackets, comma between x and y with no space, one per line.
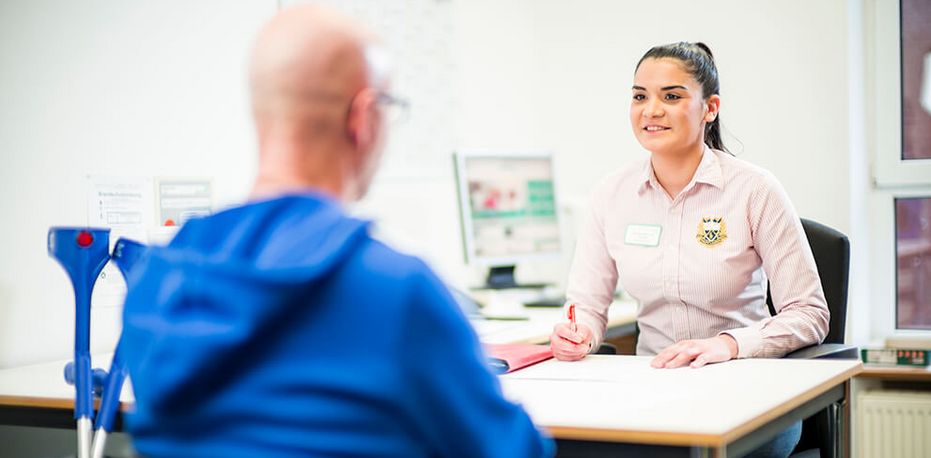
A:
[672,97]
[639,97]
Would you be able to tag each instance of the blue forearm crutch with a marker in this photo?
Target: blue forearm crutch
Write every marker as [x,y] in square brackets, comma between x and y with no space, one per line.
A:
[125,253]
[82,252]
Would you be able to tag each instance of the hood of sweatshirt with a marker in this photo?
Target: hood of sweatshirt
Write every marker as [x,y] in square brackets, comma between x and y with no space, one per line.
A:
[196,308]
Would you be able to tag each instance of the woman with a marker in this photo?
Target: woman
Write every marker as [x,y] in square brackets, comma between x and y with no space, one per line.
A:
[694,235]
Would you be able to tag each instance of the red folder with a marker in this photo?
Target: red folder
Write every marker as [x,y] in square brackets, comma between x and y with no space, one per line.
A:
[505,358]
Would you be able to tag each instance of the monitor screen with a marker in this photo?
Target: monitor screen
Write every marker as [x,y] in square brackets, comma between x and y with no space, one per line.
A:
[507,205]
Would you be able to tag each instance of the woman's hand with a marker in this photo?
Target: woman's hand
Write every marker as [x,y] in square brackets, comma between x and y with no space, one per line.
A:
[569,345]
[697,353]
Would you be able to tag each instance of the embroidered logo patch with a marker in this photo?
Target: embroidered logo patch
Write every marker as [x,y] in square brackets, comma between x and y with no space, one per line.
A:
[711,231]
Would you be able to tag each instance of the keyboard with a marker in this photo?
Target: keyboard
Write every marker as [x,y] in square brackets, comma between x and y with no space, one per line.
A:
[547,302]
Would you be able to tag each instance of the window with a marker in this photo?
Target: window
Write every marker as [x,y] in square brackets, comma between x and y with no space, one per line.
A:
[913,262]
[900,64]
[913,214]
[901,61]
[916,80]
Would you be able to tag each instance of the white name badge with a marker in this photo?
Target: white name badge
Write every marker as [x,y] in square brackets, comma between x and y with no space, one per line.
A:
[642,234]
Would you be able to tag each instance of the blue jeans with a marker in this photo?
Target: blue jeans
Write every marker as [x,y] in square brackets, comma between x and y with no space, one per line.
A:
[781,445]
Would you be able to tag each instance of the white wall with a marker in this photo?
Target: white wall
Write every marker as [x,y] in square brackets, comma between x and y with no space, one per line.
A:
[116,88]
[152,89]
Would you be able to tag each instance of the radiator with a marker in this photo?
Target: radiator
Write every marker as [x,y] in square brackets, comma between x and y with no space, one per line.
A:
[893,424]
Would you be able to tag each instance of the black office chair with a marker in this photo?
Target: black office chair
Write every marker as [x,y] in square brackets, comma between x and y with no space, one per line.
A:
[606,349]
[831,250]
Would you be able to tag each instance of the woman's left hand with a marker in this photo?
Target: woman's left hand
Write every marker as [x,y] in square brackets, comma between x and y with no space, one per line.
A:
[697,353]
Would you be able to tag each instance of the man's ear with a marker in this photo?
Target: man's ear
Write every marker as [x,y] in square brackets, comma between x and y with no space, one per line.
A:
[362,121]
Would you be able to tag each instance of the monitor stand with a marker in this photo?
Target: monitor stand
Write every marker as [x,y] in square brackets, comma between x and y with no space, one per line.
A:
[502,277]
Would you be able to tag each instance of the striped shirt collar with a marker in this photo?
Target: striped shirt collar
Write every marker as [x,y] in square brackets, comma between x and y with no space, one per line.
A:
[708,172]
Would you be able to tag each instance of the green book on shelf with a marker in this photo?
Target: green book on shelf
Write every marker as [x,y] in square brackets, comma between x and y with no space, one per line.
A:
[895,356]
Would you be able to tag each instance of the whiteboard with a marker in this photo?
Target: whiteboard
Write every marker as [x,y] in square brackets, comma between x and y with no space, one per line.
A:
[419,35]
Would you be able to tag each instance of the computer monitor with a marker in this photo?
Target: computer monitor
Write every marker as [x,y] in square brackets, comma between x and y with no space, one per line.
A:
[508,211]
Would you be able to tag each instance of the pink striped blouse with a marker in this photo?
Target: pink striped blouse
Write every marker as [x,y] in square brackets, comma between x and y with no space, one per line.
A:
[699,264]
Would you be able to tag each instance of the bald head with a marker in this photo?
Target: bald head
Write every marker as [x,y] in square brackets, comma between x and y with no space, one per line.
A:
[315,76]
[307,59]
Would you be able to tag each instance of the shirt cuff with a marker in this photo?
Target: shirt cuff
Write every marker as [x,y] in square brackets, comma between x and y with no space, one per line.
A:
[749,341]
[597,337]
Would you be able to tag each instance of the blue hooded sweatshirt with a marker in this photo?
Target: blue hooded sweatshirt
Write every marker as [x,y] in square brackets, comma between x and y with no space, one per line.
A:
[281,328]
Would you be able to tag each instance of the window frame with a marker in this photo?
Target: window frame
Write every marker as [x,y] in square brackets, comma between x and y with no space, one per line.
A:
[890,170]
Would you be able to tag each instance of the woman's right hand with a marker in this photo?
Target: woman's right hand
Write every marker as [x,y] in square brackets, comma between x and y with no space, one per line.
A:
[569,345]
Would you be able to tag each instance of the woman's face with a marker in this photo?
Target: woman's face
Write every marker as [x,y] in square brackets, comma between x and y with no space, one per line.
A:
[667,111]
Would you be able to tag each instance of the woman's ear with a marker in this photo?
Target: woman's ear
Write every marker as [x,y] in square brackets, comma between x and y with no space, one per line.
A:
[713,105]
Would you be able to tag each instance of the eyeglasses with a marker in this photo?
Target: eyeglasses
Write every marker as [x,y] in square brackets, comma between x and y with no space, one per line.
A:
[396,108]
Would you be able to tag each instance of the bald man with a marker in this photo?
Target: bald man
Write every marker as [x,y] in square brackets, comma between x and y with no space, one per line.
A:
[280,327]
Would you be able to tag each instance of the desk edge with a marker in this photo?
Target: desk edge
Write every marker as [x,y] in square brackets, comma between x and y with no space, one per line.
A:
[760,420]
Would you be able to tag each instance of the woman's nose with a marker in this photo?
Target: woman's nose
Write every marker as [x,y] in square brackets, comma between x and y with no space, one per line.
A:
[653,109]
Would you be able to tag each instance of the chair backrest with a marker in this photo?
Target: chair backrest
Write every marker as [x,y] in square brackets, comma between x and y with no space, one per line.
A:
[831,250]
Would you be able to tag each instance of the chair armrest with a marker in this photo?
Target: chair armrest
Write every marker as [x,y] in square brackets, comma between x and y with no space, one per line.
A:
[826,351]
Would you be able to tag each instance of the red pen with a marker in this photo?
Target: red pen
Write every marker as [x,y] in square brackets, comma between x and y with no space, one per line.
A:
[572,317]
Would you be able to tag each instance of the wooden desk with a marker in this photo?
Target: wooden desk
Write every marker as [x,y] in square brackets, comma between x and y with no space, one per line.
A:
[618,404]
[622,319]
[37,395]
[602,404]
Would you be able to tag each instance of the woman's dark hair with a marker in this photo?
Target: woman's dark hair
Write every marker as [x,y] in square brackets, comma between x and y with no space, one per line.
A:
[699,62]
